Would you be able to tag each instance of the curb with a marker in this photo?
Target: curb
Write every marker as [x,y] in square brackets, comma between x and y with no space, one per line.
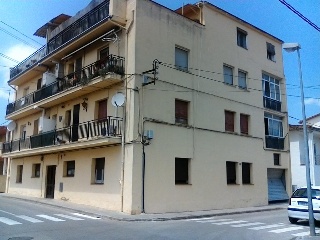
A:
[146,219]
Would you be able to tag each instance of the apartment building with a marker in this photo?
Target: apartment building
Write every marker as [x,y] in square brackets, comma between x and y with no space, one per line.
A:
[133,107]
[298,153]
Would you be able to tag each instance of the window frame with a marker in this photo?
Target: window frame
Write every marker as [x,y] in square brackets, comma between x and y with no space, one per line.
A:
[244,129]
[227,125]
[181,111]
[182,178]
[70,168]
[226,75]
[240,79]
[276,159]
[271,87]
[271,52]
[273,121]
[181,58]
[231,172]
[242,38]
[95,170]
[246,173]
[19,173]
[36,170]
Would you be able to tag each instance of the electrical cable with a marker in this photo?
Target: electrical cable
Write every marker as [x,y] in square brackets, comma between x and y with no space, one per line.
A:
[14,36]
[9,58]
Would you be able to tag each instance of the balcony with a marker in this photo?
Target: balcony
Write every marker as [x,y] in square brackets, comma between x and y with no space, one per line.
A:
[87,134]
[274,142]
[271,104]
[80,27]
[79,79]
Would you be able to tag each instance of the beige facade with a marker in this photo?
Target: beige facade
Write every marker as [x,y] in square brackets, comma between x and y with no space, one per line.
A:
[203,125]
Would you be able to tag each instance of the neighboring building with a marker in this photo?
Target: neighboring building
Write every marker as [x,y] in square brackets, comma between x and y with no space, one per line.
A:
[3,161]
[101,122]
[298,154]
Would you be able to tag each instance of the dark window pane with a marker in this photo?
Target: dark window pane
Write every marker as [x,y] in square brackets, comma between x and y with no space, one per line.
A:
[181,171]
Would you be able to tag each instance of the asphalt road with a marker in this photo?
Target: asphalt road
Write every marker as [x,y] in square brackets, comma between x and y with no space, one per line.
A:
[23,220]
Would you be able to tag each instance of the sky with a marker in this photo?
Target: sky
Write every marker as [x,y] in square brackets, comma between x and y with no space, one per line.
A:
[19,20]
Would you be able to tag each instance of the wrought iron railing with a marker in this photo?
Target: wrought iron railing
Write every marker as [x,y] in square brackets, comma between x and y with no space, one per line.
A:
[111,64]
[76,29]
[86,131]
[274,142]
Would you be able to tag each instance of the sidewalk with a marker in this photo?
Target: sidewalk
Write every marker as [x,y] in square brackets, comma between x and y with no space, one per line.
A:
[113,215]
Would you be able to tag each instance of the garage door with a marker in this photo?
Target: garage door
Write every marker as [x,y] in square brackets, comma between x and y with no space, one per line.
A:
[276,185]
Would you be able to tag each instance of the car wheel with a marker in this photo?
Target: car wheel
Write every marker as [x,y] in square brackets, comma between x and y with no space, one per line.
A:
[293,220]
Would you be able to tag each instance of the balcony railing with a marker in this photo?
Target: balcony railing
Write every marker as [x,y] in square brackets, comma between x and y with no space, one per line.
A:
[86,131]
[79,27]
[274,142]
[271,104]
[111,64]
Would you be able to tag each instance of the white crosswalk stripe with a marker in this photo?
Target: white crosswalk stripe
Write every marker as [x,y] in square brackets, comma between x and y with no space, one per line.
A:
[214,220]
[229,222]
[86,216]
[69,217]
[29,219]
[200,219]
[51,218]
[288,229]
[267,226]
[9,221]
[247,224]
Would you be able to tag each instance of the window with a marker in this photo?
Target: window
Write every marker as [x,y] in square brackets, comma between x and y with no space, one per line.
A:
[228,74]
[242,38]
[99,170]
[271,52]
[231,172]
[242,79]
[273,125]
[181,111]
[19,174]
[181,59]
[182,171]
[276,159]
[104,53]
[271,87]
[244,124]
[246,173]
[229,121]
[36,170]
[67,118]
[102,109]
[69,168]
[23,132]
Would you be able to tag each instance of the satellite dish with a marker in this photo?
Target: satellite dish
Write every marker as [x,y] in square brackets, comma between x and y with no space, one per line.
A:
[118,100]
[12,126]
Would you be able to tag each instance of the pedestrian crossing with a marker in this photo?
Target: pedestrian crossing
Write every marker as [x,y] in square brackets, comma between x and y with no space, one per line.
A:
[277,228]
[21,219]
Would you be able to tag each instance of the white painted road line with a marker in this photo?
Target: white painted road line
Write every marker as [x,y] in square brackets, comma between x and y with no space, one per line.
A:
[29,219]
[51,218]
[267,226]
[247,224]
[216,220]
[86,216]
[8,221]
[230,222]
[288,229]
[199,219]
[301,234]
[69,217]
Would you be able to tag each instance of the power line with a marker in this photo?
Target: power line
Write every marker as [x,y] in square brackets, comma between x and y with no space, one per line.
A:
[14,36]
[9,58]
[300,15]
[21,33]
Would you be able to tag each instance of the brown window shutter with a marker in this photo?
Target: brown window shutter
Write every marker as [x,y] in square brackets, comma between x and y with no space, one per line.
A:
[244,124]
[102,111]
[229,121]
[181,111]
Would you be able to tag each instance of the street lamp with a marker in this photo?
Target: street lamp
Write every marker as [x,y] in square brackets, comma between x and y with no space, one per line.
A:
[291,47]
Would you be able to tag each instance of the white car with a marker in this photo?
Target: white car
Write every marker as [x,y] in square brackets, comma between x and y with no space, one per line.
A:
[298,204]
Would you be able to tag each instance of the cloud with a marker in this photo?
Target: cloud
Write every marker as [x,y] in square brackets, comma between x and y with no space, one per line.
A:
[19,53]
[312,101]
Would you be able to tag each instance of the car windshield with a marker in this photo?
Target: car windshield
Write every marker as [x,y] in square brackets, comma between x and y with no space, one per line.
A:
[302,193]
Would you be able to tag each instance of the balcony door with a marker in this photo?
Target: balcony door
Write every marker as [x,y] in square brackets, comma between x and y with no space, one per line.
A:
[75,123]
